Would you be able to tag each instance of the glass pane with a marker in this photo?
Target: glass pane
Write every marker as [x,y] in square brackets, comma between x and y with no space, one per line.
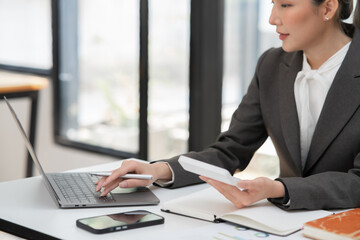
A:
[169,34]
[25,29]
[247,35]
[99,79]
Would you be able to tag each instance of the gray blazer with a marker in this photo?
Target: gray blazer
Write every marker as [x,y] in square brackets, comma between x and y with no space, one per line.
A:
[331,176]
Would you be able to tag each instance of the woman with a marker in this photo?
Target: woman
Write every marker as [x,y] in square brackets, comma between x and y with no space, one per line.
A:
[305,96]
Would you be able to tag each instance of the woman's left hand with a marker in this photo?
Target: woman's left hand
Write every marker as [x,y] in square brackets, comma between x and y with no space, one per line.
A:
[252,190]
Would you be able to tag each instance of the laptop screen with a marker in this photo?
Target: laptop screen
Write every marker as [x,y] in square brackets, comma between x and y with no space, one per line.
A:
[28,144]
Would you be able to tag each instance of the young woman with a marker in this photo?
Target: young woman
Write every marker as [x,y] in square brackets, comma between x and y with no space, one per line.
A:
[305,96]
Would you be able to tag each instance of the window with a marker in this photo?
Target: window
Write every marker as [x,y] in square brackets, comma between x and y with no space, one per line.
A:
[25,42]
[169,35]
[127,70]
[98,73]
[247,35]
[100,103]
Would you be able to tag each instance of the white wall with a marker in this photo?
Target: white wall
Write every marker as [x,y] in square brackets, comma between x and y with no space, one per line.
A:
[53,156]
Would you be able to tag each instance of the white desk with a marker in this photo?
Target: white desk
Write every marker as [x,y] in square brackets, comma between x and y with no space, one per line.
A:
[27,203]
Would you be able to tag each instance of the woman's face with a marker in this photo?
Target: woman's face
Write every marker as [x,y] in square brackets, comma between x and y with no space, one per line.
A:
[299,24]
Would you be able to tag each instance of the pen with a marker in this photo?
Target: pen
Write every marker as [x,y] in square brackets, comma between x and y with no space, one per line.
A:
[129,175]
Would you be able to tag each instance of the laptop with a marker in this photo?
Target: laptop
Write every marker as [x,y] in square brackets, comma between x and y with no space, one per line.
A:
[77,189]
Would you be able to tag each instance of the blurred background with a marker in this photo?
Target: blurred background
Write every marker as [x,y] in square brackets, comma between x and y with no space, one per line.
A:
[129,78]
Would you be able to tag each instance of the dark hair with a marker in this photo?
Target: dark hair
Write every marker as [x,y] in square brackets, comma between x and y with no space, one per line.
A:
[344,12]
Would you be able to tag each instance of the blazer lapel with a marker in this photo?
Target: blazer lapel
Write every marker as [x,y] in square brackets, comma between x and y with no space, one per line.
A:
[288,112]
[342,100]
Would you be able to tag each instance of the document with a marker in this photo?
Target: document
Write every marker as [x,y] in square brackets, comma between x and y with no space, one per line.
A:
[210,205]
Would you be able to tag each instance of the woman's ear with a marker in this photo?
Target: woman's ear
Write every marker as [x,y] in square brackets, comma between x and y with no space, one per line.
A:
[329,9]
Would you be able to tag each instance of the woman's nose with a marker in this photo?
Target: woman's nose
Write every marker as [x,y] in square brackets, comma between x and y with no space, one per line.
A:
[274,18]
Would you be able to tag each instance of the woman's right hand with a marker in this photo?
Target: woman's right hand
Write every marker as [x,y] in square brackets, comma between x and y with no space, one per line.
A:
[158,170]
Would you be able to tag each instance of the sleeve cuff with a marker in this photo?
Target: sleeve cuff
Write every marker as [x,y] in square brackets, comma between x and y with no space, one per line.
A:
[163,183]
[284,201]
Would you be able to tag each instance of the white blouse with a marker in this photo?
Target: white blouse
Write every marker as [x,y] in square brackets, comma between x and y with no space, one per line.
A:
[311,88]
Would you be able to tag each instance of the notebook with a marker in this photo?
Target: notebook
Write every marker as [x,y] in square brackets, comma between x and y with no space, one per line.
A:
[77,189]
[342,226]
[210,205]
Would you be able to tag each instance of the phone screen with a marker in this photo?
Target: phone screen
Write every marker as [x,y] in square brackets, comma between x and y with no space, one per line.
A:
[119,221]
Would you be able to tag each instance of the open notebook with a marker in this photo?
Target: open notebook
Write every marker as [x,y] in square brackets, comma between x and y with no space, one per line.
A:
[210,205]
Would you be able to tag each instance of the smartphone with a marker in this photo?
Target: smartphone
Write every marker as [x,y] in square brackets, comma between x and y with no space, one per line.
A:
[119,221]
[208,170]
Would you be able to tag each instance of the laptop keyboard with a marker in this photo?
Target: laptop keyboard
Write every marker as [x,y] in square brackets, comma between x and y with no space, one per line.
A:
[79,188]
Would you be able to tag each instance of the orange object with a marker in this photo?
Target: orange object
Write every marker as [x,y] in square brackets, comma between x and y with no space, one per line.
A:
[344,225]
[22,84]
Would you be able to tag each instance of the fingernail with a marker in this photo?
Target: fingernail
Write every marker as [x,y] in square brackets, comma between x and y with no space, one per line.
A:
[202,178]
[123,184]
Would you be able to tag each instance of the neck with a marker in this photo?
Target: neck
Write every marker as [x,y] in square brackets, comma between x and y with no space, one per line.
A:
[332,41]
